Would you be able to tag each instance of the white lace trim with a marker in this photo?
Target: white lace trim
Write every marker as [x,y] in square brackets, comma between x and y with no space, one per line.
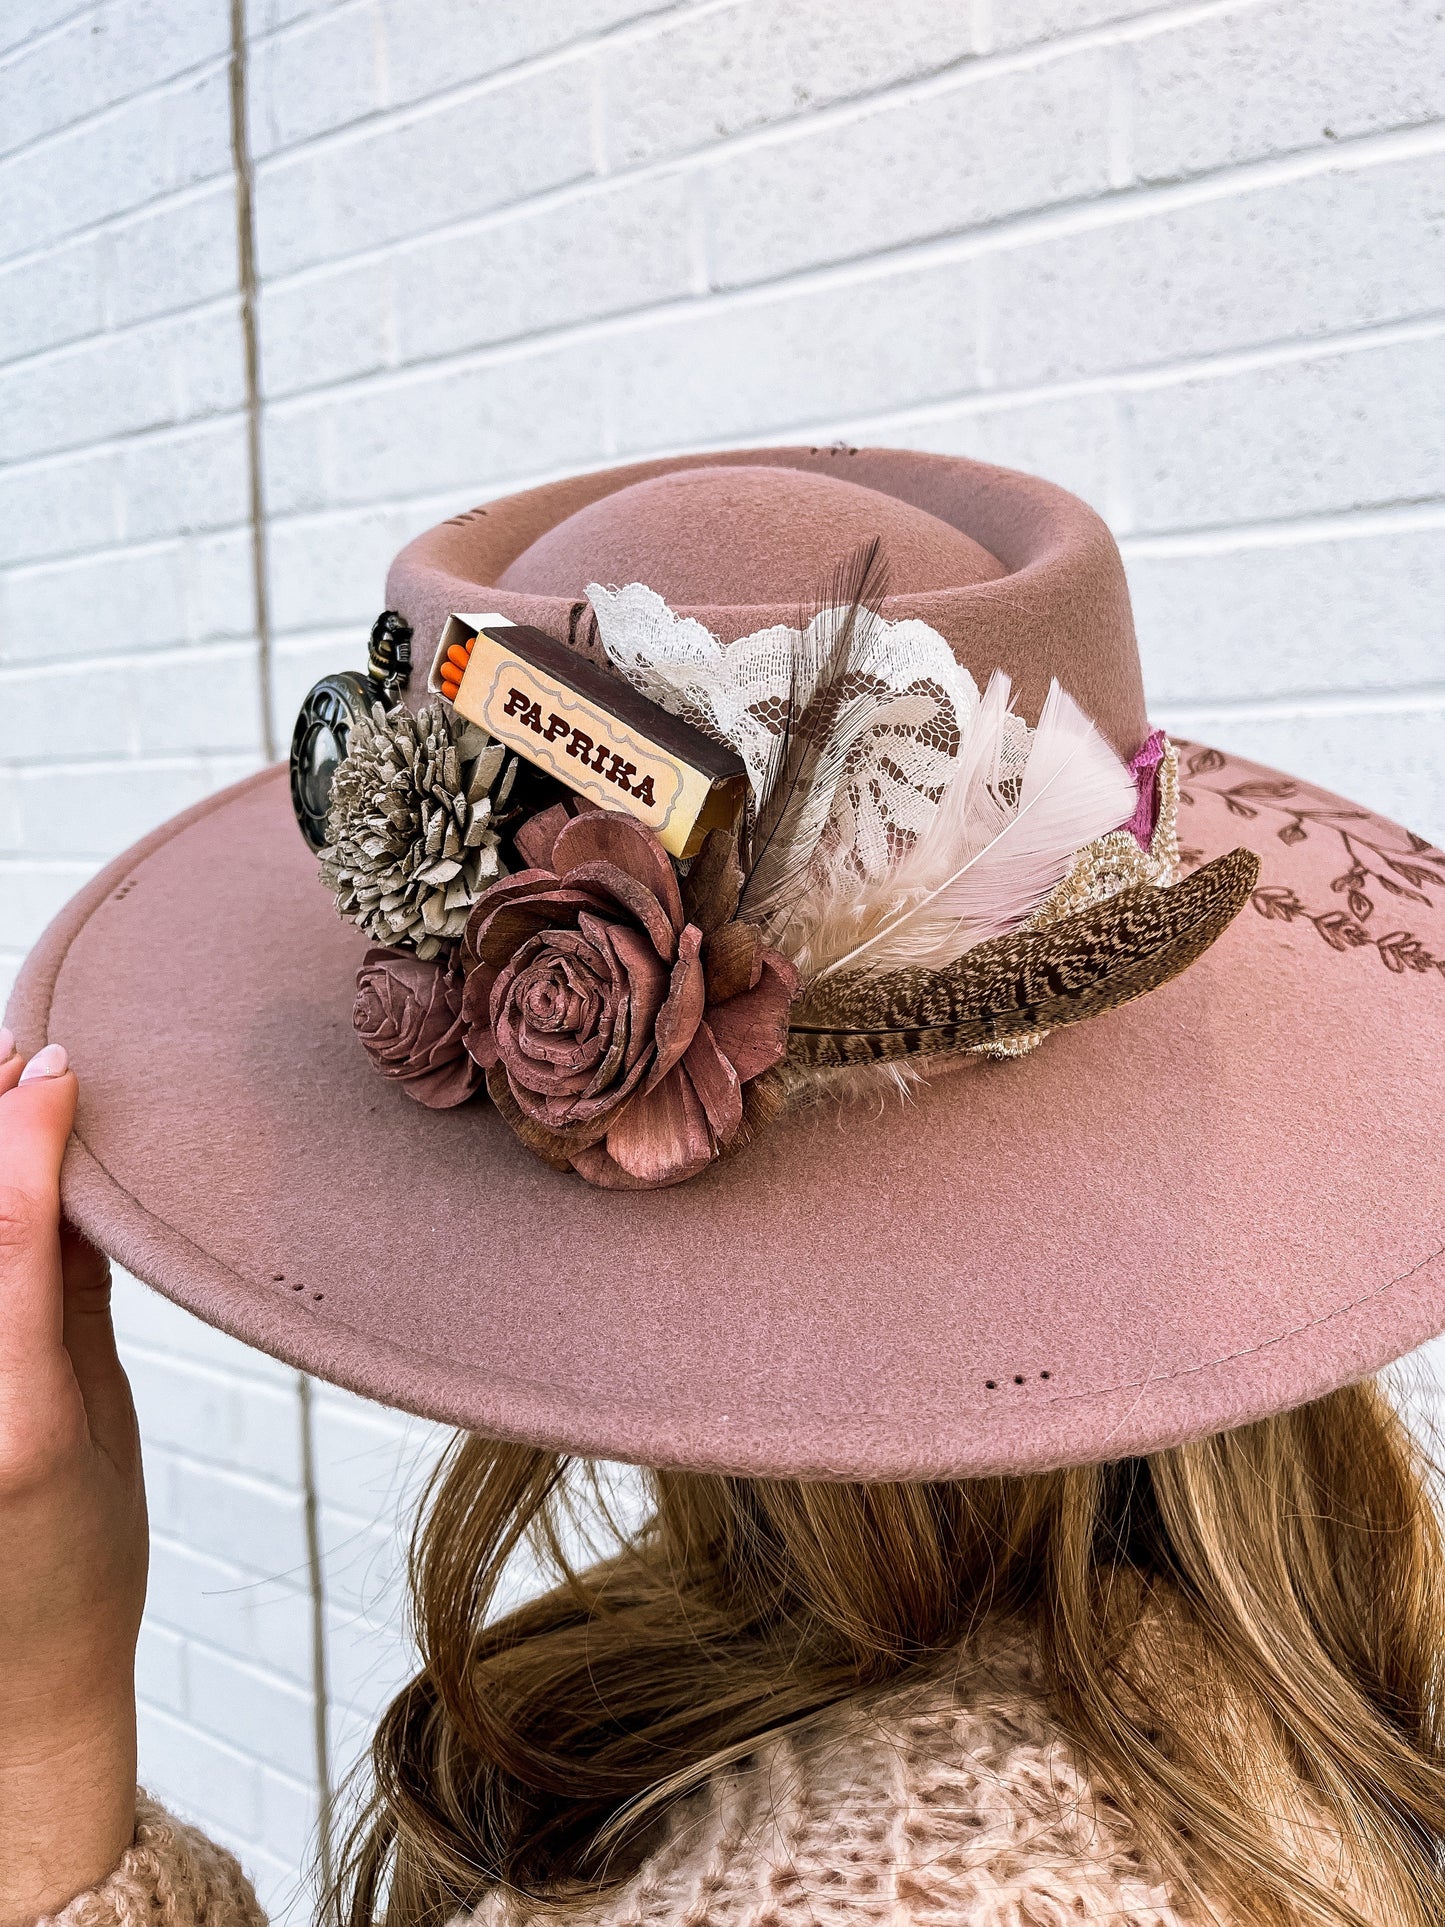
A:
[923,700]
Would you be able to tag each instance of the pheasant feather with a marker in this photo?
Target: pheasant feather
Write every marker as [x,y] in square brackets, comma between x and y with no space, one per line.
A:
[1021,986]
[820,731]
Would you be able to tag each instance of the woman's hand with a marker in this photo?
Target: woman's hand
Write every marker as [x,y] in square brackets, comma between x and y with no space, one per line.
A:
[72,1522]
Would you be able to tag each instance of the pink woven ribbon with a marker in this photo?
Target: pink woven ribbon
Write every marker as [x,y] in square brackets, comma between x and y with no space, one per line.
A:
[1145,771]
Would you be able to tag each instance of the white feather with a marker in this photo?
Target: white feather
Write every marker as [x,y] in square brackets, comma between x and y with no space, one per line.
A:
[984,862]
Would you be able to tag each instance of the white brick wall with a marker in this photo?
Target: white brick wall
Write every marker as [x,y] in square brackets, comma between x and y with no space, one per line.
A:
[1185,258]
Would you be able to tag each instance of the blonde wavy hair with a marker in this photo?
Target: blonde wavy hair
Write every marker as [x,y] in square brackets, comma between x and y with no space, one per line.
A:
[1243,1640]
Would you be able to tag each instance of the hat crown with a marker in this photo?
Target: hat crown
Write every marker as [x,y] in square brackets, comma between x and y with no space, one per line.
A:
[741,536]
[1033,583]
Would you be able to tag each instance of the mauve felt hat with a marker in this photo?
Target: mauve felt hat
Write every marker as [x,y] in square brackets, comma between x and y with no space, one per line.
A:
[1210,1203]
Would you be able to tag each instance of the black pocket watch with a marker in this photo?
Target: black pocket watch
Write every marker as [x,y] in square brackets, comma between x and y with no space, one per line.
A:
[332,708]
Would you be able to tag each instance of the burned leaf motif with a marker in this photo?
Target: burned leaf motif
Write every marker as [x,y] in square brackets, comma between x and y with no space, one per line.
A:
[1415,873]
[1278,902]
[1399,890]
[1339,932]
[1401,952]
[1203,762]
[1267,792]
[1370,863]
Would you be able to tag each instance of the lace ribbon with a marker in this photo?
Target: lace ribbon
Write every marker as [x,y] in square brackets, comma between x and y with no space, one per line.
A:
[924,702]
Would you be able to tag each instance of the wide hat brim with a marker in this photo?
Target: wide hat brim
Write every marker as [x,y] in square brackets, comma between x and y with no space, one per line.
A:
[1222,1200]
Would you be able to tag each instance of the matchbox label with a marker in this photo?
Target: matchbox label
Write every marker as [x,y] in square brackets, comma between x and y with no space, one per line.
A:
[596,757]
[580,742]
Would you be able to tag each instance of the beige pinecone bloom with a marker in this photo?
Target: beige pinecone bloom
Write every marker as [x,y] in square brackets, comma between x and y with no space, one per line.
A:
[412,837]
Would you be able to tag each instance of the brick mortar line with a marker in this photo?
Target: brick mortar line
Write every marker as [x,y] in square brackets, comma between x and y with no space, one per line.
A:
[1289,531]
[196,762]
[1423,700]
[1162,12]
[290,1682]
[157,89]
[112,764]
[118,444]
[177,654]
[581,49]
[145,546]
[235,648]
[222,1824]
[435,507]
[179,1457]
[122,439]
[1027,58]
[206,307]
[593,36]
[381,382]
[1101,208]
[113,550]
[255,1670]
[817,430]
[1009,234]
[18,865]
[100,228]
[156,202]
[810,430]
[680,310]
[1167,374]
[244,1579]
[260,1484]
[188,1720]
[1204,531]
[51,31]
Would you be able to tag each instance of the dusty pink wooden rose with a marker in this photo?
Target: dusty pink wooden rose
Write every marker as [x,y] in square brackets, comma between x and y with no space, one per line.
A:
[619,1015]
[408,1015]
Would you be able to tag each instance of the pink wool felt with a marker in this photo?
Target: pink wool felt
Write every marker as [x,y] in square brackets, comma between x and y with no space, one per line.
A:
[1218,1201]
[1015,573]
[1223,1199]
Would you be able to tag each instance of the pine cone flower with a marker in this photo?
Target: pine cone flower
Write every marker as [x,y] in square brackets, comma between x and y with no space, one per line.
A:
[412,831]
[621,1019]
[408,1014]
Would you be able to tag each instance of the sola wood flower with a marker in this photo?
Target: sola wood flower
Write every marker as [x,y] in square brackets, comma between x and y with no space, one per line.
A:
[413,826]
[408,1014]
[625,1022]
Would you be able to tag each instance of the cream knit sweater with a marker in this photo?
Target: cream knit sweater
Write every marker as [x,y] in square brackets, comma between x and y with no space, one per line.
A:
[959,1810]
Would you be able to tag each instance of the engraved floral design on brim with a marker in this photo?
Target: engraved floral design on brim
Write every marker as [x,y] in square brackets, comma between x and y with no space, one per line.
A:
[1381,865]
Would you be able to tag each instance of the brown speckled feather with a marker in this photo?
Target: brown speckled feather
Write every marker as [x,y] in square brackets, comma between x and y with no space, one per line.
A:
[1017,986]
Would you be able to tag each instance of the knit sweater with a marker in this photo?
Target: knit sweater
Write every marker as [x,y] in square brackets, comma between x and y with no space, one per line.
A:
[958,1809]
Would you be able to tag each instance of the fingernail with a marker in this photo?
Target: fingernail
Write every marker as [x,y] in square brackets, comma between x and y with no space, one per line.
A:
[7,1044]
[50,1062]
